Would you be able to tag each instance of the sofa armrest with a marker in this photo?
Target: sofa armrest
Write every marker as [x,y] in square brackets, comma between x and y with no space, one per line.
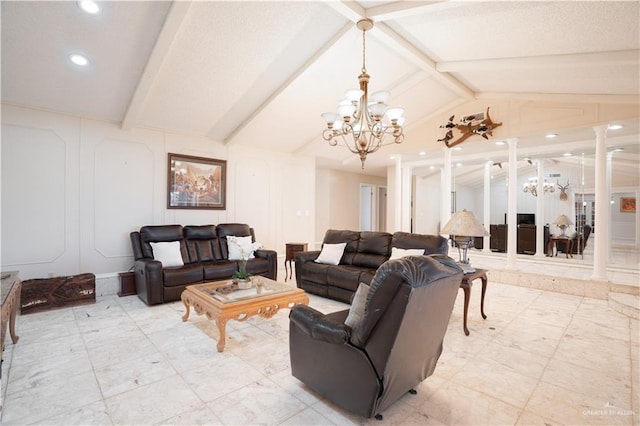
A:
[318,326]
[300,258]
[149,281]
[272,259]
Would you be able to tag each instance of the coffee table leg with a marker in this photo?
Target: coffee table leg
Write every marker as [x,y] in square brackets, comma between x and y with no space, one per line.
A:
[222,326]
[187,309]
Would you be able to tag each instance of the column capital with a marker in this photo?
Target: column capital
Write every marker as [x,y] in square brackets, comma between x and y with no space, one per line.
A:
[601,130]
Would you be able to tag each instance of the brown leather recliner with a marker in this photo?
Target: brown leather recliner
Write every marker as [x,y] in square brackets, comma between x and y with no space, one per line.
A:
[395,346]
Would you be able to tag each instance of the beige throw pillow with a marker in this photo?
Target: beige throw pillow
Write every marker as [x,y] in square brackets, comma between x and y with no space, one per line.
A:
[356,312]
[397,253]
[331,254]
[168,253]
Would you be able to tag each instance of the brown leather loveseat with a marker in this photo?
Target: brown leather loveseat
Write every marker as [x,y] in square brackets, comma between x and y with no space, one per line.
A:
[204,253]
[364,253]
[368,365]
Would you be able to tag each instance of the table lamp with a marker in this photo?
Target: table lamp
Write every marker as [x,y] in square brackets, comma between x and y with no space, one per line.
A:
[462,227]
[563,222]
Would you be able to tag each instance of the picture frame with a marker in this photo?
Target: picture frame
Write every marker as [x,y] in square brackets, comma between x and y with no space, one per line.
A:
[628,204]
[196,182]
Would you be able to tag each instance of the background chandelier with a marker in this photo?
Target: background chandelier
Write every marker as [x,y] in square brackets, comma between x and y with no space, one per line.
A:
[532,186]
[364,123]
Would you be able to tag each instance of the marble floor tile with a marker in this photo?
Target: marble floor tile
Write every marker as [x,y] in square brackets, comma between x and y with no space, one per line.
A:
[216,379]
[153,403]
[261,402]
[540,358]
[37,404]
[121,377]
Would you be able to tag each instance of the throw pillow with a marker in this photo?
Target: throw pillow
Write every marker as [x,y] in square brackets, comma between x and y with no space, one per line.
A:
[356,312]
[331,254]
[168,253]
[241,248]
[397,253]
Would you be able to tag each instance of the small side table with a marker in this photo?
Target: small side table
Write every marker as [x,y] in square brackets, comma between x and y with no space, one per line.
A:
[568,242]
[465,285]
[291,250]
[11,289]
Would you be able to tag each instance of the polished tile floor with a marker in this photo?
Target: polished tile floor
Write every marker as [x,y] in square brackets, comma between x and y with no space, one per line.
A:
[540,358]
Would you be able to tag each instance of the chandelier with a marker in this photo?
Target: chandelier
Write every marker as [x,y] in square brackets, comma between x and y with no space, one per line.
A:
[532,186]
[364,122]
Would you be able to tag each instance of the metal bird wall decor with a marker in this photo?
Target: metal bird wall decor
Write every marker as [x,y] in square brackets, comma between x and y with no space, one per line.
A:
[467,128]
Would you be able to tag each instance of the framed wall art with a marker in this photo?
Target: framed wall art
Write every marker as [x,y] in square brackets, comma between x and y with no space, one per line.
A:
[196,183]
[628,204]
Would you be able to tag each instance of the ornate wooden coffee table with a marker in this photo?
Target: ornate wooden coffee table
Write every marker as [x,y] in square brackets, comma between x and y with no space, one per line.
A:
[223,300]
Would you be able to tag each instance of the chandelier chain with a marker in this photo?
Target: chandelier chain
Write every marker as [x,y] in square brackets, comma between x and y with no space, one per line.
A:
[364,41]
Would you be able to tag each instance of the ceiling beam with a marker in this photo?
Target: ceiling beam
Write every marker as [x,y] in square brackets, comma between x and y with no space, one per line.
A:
[402,9]
[337,36]
[594,98]
[172,24]
[349,9]
[619,57]
[405,49]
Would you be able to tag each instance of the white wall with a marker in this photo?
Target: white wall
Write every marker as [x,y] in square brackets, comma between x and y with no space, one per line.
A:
[338,199]
[73,189]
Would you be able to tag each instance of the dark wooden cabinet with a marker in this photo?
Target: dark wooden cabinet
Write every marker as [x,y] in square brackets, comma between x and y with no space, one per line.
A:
[127,284]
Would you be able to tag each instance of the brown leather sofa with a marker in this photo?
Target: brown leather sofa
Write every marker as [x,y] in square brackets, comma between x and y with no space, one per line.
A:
[394,347]
[205,255]
[527,239]
[363,255]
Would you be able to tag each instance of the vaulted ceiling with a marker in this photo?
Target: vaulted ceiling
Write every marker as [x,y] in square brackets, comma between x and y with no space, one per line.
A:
[260,73]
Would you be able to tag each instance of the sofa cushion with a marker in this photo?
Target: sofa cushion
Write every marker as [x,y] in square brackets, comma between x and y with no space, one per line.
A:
[257,265]
[314,272]
[344,276]
[202,243]
[219,270]
[331,254]
[167,253]
[430,243]
[373,249]
[160,233]
[188,274]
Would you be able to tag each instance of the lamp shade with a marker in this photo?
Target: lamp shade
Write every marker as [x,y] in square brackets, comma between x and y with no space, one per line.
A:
[464,223]
[563,220]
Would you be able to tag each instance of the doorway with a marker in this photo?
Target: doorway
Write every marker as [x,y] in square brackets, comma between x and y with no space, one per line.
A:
[373,207]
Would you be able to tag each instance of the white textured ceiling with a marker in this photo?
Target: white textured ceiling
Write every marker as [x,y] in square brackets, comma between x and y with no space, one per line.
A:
[260,73]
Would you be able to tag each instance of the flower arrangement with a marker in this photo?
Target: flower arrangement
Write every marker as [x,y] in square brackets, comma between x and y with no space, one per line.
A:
[242,273]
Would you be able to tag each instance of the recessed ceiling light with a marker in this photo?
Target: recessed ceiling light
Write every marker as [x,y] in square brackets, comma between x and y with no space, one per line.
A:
[79,60]
[459,164]
[422,153]
[617,149]
[551,135]
[393,157]
[457,148]
[615,126]
[500,143]
[567,154]
[432,167]
[89,6]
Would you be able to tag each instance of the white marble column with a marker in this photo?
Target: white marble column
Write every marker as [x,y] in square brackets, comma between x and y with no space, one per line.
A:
[407,189]
[603,207]
[540,248]
[608,185]
[486,213]
[445,207]
[397,202]
[512,205]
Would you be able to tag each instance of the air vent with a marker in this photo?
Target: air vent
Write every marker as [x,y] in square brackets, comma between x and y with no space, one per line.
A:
[554,175]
